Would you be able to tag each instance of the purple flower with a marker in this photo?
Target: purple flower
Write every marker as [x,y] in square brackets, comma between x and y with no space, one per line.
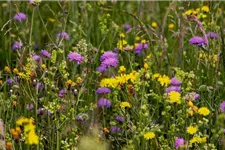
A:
[115,129]
[103,90]
[35,46]
[9,81]
[127,27]
[103,102]
[223,130]
[172,88]
[12,80]
[110,62]
[30,107]
[74,56]
[222,106]
[107,55]
[45,53]
[63,35]
[40,85]
[140,47]
[212,35]
[175,81]
[115,49]
[193,96]
[48,113]
[40,111]
[62,93]
[120,118]
[199,41]
[179,142]
[102,69]
[36,58]
[20,16]
[17,45]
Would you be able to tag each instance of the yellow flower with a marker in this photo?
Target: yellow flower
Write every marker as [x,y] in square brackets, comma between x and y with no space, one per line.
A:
[43,66]
[171,26]
[149,56]
[174,97]
[146,66]
[125,104]
[121,44]
[192,130]
[31,138]
[15,70]
[149,135]
[156,76]
[79,80]
[154,24]
[205,8]
[143,41]
[191,113]
[164,80]
[137,38]
[122,69]
[122,35]
[51,19]
[204,111]
[198,139]
[7,69]
[190,104]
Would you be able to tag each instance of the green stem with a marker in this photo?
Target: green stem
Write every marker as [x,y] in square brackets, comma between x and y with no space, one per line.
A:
[31,29]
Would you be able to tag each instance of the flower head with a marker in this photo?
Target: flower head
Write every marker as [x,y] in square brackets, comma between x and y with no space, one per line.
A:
[75,57]
[115,129]
[140,47]
[175,81]
[127,27]
[222,106]
[46,53]
[103,102]
[204,111]
[193,96]
[63,35]
[120,118]
[212,35]
[173,88]
[192,129]
[125,104]
[36,58]
[174,97]
[110,62]
[196,40]
[108,54]
[20,16]
[179,142]
[62,93]
[17,45]
[149,135]
[103,90]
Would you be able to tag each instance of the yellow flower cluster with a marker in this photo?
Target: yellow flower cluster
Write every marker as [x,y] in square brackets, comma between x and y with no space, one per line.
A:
[122,69]
[29,130]
[209,58]
[192,108]
[163,80]
[149,135]
[192,129]
[121,44]
[197,140]
[119,80]
[200,13]
[174,97]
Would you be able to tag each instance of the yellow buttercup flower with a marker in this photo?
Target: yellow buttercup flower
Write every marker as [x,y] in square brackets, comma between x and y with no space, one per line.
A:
[154,25]
[31,138]
[171,26]
[204,111]
[15,70]
[137,38]
[164,80]
[122,69]
[146,66]
[79,80]
[122,35]
[205,8]
[149,135]
[125,104]
[192,130]
[7,69]
[174,97]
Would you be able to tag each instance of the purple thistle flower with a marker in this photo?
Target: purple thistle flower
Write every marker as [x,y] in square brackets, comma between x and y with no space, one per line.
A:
[193,96]
[120,118]
[64,35]
[30,107]
[75,57]
[9,81]
[172,88]
[17,45]
[107,55]
[103,90]
[103,102]
[110,62]
[20,16]
[140,47]
[196,40]
[179,142]
[45,53]
[115,129]
[62,93]
[102,69]
[36,58]
[222,106]
[212,35]
[127,27]
[175,81]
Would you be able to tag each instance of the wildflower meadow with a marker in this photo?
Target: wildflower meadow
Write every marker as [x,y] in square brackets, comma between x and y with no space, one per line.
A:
[112,75]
